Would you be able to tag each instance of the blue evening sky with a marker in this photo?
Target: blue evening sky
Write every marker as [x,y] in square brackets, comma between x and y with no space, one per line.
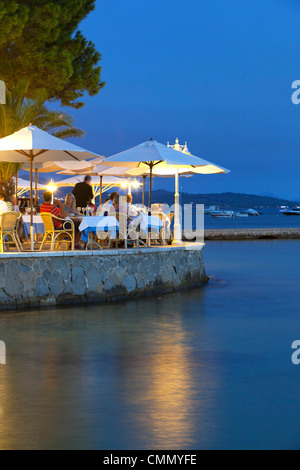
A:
[215,73]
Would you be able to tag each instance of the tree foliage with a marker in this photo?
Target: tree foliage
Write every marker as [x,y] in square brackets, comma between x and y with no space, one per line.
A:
[40,41]
[20,111]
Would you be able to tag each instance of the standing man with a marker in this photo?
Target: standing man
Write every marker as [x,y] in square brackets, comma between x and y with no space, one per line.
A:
[83,192]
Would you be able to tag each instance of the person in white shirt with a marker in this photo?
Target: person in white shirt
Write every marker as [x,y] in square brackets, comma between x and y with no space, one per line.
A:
[107,204]
[132,209]
[3,205]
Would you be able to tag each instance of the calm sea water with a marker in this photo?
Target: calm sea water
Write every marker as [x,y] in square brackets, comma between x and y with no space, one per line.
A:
[271,218]
[206,368]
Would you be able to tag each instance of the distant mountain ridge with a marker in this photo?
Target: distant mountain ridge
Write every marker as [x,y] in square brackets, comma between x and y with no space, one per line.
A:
[224,200]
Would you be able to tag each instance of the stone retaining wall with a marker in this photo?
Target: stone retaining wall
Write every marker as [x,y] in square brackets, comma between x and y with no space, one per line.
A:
[38,279]
[253,234]
[246,234]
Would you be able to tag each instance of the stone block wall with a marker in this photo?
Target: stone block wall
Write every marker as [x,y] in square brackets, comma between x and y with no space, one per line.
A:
[39,279]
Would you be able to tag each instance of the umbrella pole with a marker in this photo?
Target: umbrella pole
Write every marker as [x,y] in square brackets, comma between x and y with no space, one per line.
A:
[144,183]
[177,227]
[150,188]
[36,185]
[31,157]
[101,189]
[17,184]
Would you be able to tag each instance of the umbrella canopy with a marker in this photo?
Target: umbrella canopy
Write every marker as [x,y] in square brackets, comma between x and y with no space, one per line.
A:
[41,146]
[106,183]
[101,172]
[153,153]
[72,166]
[34,145]
[153,157]
[111,180]
[69,166]
[24,185]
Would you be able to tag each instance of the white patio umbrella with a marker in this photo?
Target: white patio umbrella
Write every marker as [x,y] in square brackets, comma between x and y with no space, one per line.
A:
[101,172]
[24,185]
[37,146]
[154,157]
[53,167]
[108,182]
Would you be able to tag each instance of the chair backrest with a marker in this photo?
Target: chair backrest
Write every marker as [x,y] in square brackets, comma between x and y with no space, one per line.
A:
[47,221]
[8,221]
[158,214]
[171,217]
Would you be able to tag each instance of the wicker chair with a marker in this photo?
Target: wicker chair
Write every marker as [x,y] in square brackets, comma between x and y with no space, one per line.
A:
[58,236]
[127,233]
[8,230]
[164,233]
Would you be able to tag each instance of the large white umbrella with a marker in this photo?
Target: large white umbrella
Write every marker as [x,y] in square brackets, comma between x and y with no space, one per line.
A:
[101,172]
[156,158]
[108,182]
[68,165]
[36,146]
[24,185]
[72,166]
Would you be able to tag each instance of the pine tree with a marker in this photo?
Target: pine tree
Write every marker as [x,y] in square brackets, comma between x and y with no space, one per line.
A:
[40,42]
[19,112]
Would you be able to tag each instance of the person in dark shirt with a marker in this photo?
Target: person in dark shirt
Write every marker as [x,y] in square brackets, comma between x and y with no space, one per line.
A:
[83,192]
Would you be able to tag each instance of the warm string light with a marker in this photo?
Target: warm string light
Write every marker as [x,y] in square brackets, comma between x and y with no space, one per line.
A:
[134,184]
[51,186]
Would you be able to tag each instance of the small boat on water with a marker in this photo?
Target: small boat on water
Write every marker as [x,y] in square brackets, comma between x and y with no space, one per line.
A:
[294,211]
[253,212]
[222,214]
[241,215]
[211,209]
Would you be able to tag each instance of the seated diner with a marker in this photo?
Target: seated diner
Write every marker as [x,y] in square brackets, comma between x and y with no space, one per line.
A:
[70,210]
[108,203]
[56,209]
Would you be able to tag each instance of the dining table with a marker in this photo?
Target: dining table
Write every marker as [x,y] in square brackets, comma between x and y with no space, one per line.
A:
[102,226]
[108,227]
[38,226]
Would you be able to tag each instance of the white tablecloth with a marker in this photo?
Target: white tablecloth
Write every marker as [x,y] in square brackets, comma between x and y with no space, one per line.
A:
[38,225]
[149,222]
[98,223]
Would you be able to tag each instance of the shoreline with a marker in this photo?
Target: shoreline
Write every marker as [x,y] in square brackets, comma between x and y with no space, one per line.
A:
[250,234]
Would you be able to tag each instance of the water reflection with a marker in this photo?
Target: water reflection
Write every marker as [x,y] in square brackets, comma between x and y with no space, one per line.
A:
[206,368]
[119,376]
[166,398]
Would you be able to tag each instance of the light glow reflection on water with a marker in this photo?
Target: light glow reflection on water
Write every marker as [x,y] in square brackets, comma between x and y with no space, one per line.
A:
[206,368]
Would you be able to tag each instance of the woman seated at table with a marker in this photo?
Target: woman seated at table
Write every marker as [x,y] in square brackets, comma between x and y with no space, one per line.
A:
[70,206]
[71,211]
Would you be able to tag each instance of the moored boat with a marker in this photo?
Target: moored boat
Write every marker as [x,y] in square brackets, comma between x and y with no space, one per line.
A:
[222,214]
[294,211]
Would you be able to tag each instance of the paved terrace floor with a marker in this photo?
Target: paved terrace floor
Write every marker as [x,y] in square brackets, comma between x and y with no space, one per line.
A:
[185,246]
